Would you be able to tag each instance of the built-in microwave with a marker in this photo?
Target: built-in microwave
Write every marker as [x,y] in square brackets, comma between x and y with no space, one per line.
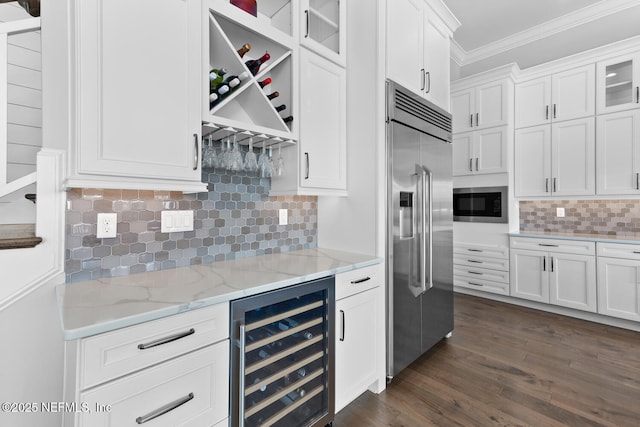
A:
[480,204]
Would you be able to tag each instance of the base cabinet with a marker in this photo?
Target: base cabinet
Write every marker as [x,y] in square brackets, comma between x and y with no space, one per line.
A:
[356,336]
[172,371]
[619,280]
[554,272]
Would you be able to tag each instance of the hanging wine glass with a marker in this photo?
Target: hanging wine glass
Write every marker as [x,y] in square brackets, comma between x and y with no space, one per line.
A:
[236,163]
[278,167]
[264,164]
[222,157]
[250,161]
[209,154]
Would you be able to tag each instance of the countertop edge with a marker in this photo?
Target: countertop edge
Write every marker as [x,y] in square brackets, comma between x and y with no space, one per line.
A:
[108,326]
[577,238]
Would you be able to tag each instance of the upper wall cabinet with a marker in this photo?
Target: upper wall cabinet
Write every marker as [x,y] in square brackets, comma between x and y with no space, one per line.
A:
[136,97]
[418,40]
[618,83]
[323,28]
[481,107]
[562,96]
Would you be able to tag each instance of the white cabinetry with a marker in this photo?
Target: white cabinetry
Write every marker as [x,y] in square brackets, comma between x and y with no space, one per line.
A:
[359,333]
[555,160]
[618,83]
[559,272]
[486,105]
[174,370]
[480,152]
[619,280]
[323,28]
[481,267]
[561,96]
[135,106]
[418,43]
[618,153]
[320,162]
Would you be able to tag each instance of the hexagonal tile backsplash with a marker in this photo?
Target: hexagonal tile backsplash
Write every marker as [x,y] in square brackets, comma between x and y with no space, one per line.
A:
[235,219]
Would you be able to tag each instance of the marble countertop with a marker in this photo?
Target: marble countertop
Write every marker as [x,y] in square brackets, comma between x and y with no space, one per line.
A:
[97,306]
[604,238]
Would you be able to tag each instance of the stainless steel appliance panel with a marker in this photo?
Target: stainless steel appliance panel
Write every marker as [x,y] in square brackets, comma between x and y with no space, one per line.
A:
[419,227]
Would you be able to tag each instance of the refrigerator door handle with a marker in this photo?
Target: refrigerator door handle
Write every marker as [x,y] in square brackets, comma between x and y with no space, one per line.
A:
[426,227]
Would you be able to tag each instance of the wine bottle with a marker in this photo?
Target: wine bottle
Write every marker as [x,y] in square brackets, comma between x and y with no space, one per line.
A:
[244,49]
[273,95]
[281,107]
[254,64]
[231,81]
[216,75]
[265,82]
[220,91]
[287,119]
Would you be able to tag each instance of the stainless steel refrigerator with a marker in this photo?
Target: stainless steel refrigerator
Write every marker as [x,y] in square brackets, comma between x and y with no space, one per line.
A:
[419,227]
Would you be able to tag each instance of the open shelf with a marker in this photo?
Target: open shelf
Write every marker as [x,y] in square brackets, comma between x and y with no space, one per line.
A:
[248,108]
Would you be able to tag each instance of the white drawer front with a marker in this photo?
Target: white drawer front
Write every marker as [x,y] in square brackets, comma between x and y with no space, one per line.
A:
[362,279]
[482,285]
[492,251]
[481,273]
[110,355]
[619,250]
[198,380]
[481,262]
[554,245]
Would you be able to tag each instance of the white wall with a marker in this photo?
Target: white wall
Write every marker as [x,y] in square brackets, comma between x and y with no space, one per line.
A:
[31,359]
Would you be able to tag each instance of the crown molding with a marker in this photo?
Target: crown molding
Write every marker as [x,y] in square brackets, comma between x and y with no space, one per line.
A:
[539,32]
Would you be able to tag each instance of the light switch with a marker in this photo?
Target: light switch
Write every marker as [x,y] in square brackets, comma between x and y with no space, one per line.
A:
[173,221]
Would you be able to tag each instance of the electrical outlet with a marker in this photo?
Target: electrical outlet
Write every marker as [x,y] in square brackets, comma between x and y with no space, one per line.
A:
[107,225]
[283,217]
[560,212]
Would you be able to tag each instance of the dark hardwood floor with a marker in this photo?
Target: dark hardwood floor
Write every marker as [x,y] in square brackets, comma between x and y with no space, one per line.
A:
[512,366]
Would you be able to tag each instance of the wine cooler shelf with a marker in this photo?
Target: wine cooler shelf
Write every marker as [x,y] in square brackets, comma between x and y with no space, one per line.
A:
[283,367]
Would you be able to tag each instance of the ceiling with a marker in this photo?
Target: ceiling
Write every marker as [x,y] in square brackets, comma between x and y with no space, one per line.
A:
[531,32]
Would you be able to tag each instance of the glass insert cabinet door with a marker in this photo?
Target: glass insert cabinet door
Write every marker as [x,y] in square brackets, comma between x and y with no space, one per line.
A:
[322,28]
[619,84]
[282,357]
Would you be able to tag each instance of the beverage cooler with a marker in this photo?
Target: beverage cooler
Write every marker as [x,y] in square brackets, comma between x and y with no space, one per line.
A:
[282,357]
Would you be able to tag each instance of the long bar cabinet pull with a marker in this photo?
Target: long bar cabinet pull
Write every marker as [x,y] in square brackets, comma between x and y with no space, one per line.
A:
[477,158]
[306,155]
[544,263]
[166,340]
[477,119]
[555,185]
[551,259]
[637,181]
[471,165]
[470,120]
[546,185]
[196,156]
[547,245]
[343,324]
[428,77]
[364,279]
[637,94]
[423,79]
[546,114]
[475,284]
[164,409]
[306,12]
[554,111]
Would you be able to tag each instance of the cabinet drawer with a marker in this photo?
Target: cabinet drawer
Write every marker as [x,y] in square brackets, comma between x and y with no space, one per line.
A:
[194,385]
[481,285]
[113,354]
[554,245]
[352,282]
[619,250]
[481,273]
[481,262]
[492,251]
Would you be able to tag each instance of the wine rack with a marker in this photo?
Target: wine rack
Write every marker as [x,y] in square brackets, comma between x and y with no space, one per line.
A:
[282,357]
[247,107]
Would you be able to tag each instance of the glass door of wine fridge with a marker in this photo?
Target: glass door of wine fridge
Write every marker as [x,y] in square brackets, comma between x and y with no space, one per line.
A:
[282,357]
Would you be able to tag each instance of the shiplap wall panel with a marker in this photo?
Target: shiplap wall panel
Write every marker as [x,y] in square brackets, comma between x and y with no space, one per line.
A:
[24,110]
